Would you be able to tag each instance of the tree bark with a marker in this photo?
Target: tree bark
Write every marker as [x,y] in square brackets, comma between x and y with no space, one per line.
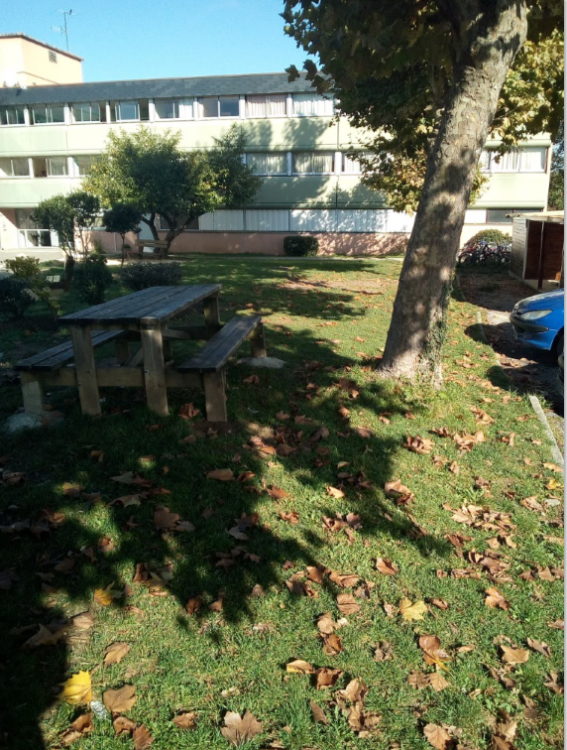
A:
[486,37]
[68,271]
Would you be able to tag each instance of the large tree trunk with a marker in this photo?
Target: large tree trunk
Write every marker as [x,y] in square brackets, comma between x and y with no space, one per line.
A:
[487,36]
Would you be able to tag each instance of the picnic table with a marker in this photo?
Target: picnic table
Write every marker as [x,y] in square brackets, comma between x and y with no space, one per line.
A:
[146,318]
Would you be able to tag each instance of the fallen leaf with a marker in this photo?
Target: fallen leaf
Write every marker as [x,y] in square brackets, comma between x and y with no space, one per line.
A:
[326,624]
[120,700]
[238,730]
[115,653]
[291,517]
[123,725]
[77,689]
[253,379]
[104,596]
[318,713]
[495,599]
[164,519]
[83,621]
[298,666]
[514,655]
[437,736]
[44,637]
[142,738]
[185,720]
[418,444]
[347,604]
[385,566]
[223,475]
[344,581]
[335,492]
[332,645]
[411,611]
[383,652]
[437,682]
[326,677]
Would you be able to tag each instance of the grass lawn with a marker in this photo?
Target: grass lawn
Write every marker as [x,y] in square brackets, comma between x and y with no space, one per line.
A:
[215,609]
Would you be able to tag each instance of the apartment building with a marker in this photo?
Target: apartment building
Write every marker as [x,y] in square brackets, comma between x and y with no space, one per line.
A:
[49,136]
[25,61]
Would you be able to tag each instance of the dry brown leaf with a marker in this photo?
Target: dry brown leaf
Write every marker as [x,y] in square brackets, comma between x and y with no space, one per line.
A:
[104,596]
[332,645]
[115,653]
[335,492]
[326,624]
[223,475]
[495,599]
[411,611]
[238,730]
[123,725]
[121,700]
[315,574]
[418,444]
[326,677]
[385,566]
[437,682]
[344,581]
[437,736]
[539,646]
[514,655]
[383,651]
[291,516]
[298,666]
[142,738]
[347,604]
[418,680]
[44,637]
[318,713]
[185,720]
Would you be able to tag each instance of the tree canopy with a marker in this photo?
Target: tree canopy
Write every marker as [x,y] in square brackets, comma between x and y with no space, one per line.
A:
[432,80]
[150,171]
[390,67]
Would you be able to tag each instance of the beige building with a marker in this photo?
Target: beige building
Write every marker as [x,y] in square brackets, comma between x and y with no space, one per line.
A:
[26,62]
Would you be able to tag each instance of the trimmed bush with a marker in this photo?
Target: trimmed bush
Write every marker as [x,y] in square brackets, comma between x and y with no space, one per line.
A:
[91,278]
[15,297]
[490,235]
[27,270]
[301,246]
[142,275]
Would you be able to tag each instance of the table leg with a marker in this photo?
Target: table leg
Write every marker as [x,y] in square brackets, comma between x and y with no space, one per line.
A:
[215,397]
[32,394]
[154,371]
[212,312]
[258,342]
[86,370]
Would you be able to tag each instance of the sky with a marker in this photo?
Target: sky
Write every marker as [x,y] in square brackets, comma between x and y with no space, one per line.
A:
[127,39]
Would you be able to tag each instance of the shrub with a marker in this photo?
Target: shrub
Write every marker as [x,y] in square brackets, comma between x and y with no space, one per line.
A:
[27,269]
[143,275]
[15,297]
[92,277]
[301,246]
[490,235]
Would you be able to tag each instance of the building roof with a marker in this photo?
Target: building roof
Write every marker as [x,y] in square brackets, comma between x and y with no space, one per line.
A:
[546,217]
[156,88]
[20,35]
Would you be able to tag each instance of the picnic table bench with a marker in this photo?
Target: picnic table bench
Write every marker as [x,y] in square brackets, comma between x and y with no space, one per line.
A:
[159,248]
[144,318]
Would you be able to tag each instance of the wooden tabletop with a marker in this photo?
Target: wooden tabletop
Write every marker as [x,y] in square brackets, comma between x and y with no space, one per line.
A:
[148,308]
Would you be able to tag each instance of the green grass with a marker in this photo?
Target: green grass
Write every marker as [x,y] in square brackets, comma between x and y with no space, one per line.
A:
[213,662]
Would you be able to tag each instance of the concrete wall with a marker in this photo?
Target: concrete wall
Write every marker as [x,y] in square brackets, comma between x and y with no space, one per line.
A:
[31,63]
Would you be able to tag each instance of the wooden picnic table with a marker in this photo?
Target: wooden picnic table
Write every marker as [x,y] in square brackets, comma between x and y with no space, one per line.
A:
[146,318]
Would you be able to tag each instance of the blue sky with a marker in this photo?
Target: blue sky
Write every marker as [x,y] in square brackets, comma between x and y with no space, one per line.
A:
[124,39]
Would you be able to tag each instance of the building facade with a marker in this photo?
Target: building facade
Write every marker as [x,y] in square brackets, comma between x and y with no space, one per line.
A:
[25,62]
[49,136]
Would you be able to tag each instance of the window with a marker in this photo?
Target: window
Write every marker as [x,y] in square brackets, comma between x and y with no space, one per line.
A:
[351,165]
[272,163]
[83,164]
[533,160]
[126,111]
[52,56]
[48,114]
[312,104]
[88,112]
[18,167]
[56,166]
[29,234]
[314,162]
[12,116]
[167,109]
[220,106]
[265,106]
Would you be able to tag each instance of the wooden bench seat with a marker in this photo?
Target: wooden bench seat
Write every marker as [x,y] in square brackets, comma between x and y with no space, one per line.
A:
[214,355]
[57,356]
[210,361]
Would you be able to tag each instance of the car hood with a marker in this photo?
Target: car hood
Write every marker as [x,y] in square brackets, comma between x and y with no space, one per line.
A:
[548,301]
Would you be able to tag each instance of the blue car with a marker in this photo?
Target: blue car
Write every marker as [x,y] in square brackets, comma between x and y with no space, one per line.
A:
[539,320]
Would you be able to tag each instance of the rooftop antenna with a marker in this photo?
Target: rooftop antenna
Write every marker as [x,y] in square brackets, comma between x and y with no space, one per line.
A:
[63,29]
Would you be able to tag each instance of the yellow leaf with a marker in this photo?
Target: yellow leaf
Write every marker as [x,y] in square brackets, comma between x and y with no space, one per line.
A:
[104,596]
[411,611]
[77,689]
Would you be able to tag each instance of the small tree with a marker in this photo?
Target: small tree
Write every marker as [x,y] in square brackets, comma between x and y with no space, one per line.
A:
[150,170]
[57,215]
[86,209]
[556,198]
[121,219]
